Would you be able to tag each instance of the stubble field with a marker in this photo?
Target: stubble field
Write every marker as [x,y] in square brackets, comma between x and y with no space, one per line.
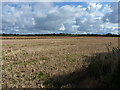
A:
[30,63]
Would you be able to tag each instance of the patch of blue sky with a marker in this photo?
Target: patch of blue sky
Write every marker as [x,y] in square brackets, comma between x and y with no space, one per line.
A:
[16,5]
[105,3]
[60,4]
[83,17]
[83,4]
[19,4]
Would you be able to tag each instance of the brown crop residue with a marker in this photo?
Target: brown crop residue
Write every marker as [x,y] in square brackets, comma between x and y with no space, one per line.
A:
[28,63]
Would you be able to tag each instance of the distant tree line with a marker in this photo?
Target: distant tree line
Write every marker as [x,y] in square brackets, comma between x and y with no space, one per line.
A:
[61,34]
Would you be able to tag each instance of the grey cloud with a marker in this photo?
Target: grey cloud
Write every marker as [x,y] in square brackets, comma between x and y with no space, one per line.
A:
[113,16]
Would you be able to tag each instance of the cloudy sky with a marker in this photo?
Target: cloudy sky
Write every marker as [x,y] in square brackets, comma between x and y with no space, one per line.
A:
[60,17]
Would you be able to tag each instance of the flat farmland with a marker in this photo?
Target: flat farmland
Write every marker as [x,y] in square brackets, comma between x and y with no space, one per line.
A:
[30,62]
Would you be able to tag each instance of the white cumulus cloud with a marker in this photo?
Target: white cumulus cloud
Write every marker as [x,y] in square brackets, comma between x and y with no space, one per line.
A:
[45,17]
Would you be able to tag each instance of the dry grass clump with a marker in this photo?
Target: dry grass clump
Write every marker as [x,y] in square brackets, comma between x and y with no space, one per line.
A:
[102,72]
[105,67]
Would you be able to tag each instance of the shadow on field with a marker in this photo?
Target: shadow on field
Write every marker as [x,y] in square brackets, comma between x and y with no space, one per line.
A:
[103,71]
